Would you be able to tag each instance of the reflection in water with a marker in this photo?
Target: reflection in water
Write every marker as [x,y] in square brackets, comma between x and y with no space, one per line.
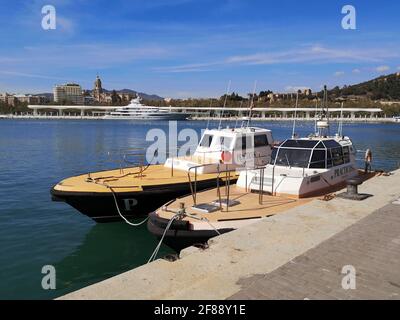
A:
[108,249]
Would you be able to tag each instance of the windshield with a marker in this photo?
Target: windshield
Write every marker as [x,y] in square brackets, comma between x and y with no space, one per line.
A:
[206,141]
[224,143]
[292,157]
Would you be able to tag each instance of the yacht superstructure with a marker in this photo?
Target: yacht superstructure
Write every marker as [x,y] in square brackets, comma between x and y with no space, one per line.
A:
[137,111]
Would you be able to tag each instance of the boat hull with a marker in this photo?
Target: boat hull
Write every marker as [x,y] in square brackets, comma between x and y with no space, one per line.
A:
[166,117]
[101,207]
[179,236]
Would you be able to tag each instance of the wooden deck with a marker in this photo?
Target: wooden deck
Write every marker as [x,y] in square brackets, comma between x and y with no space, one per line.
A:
[249,205]
[129,179]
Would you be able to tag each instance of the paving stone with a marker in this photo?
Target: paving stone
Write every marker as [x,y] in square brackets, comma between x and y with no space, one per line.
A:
[372,246]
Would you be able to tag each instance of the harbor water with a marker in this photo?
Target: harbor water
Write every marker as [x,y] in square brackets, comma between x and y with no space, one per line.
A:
[35,232]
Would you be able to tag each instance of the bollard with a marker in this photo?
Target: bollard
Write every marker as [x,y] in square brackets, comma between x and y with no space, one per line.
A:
[352,191]
[352,186]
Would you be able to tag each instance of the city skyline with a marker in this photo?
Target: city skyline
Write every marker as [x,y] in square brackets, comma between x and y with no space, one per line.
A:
[186,48]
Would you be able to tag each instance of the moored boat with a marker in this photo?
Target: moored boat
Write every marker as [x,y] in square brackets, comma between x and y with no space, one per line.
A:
[137,111]
[135,191]
[300,169]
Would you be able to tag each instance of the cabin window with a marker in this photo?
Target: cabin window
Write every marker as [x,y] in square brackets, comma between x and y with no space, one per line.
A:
[346,154]
[243,143]
[206,141]
[318,159]
[331,144]
[307,144]
[224,143]
[329,162]
[293,157]
[260,141]
[320,146]
[337,156]
[273,155]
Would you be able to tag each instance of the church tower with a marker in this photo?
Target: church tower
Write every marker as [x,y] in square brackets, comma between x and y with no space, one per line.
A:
[97,90]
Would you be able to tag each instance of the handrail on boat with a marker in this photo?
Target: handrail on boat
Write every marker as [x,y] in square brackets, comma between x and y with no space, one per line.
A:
[194,189]
[227,171]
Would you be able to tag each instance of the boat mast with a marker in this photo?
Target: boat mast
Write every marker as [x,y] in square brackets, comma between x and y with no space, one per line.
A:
[251,103]
[316,114]
[237,117]
[340,129]
[323,122]
[326,104]
[295,116]
[223,108]
[209,114]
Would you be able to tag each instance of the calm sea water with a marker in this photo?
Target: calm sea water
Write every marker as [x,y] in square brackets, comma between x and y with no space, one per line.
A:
[34,231]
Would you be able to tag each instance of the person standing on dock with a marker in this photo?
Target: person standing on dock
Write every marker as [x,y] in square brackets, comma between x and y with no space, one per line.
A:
[368,160]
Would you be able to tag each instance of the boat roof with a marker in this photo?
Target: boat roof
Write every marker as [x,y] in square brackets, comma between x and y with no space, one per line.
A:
[233,131]
[313,143]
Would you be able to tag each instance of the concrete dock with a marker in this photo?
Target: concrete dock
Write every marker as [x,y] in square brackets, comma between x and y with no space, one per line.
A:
[300,254]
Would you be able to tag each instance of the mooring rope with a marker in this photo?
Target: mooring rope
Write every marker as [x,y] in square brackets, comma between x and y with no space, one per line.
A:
[120,214]
[177,215]
[155,252]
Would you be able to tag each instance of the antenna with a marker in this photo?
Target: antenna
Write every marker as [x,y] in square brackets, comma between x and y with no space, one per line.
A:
[340,129]
[327,108]
[209,114]
[251,103]
[316,114]
[326,103]
[223,108]
[323,122]
[237,116]
[295,115]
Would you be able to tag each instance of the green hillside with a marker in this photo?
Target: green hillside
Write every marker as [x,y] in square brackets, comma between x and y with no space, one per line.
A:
[383,88]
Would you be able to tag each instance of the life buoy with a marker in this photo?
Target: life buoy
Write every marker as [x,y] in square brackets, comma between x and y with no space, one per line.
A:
[226,156]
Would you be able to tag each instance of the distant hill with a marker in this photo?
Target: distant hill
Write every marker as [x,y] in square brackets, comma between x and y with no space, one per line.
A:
[382,88]
[144,96]
[48,95]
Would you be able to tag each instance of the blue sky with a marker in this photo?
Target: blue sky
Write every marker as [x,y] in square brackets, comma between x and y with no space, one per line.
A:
[192,48]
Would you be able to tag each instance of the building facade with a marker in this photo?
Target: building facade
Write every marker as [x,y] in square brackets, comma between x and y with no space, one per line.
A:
[106,97]
[13,99]
[68,93]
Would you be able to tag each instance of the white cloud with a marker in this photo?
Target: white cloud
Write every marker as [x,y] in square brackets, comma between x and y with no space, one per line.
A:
[195,67]
[356,71]
[295,88]
[30,75]
[382,68]
[97,56]
[339,73]
[313,54]
[310,54]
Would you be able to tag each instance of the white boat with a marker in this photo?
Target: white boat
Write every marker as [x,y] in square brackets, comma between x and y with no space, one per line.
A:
[128,192]
[396,119]
[299,168]
[306,167]
[228,148]
[137,111]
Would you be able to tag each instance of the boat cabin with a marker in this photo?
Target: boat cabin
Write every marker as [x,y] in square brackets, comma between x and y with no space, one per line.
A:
[228,149]
[304,167]
[312,153]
